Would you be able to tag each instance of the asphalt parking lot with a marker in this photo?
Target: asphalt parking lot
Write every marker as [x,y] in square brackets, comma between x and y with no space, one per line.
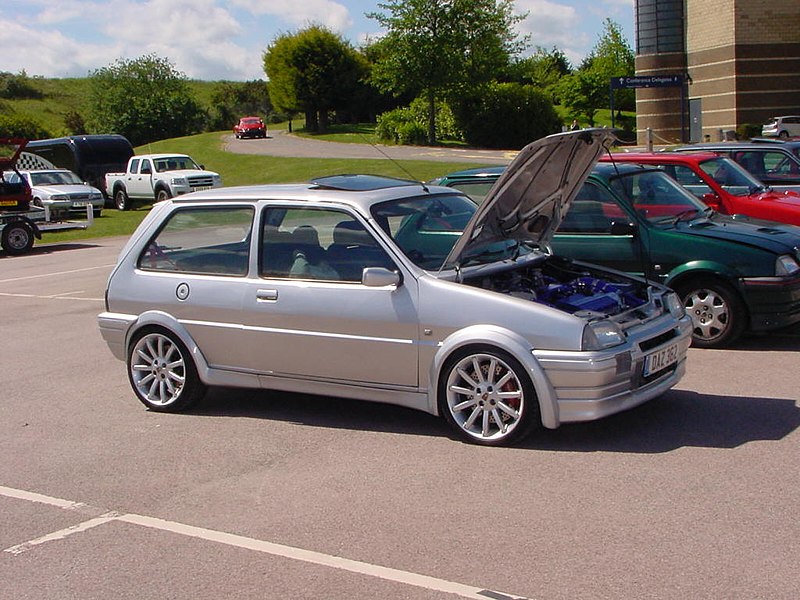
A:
[275,496]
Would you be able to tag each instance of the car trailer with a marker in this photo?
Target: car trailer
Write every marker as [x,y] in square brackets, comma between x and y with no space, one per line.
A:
[20,222]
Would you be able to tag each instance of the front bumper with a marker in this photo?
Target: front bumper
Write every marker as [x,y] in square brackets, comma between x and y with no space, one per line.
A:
[589,386]
[773,302]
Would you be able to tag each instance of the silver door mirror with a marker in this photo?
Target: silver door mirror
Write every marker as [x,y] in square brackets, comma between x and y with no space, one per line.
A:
[379,277]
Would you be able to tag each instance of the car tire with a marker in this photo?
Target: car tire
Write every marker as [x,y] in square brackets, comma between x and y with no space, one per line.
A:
[478,410]
[783,134]
[162,372]
[718,313]
[16,238]
[121,200]
[162,194]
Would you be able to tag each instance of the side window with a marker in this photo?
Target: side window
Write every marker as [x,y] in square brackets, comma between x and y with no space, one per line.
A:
[691,181]
[146,168]
[592,211]
[205,241]
[318,244]
[477,190]
[134,166]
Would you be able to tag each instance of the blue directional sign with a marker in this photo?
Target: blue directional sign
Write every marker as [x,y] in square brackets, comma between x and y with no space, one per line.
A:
[647,81]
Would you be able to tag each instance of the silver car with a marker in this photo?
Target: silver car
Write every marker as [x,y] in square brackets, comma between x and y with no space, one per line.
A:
[392,291]
[63,191]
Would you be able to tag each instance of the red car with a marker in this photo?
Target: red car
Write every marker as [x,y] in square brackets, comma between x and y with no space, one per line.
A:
[252,127]
[720,182]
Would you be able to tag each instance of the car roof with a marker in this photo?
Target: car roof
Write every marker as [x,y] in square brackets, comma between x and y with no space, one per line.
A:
[732,146]
[358,191]
[659,157]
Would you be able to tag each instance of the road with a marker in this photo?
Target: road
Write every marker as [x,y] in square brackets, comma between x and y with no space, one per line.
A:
[281,143]
[269,495]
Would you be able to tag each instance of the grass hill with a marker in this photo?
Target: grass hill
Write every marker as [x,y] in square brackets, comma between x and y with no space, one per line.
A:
[60,97]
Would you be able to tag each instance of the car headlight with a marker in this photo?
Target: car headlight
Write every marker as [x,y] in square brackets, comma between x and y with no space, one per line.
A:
[600,335]
[178,181]
[59,197]
[674,305]
[786,265]
[95,196]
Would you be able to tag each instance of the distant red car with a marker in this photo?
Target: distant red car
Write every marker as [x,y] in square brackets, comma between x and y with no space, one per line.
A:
[250,127]
[720,182]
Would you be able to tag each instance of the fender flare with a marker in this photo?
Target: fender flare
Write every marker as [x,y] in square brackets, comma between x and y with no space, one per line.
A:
[164,320]
[704,268]
[503,339]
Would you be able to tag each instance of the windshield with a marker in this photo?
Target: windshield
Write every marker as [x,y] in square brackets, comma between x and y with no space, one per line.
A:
[175,163]
[55,178]
[427,227]
[733,178]
[657,198]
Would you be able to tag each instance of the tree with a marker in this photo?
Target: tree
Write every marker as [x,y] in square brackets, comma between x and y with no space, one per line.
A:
[434,48]
[583,93]
[144,99]
[543,69]
[314,71]
[612,57]
[234,99]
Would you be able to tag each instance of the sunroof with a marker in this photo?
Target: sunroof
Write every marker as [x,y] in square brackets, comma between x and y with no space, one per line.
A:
[360,183]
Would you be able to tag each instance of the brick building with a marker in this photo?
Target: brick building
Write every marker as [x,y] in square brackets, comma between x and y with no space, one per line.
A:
[740,59]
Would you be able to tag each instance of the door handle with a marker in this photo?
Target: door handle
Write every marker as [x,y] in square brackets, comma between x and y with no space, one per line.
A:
[267,296]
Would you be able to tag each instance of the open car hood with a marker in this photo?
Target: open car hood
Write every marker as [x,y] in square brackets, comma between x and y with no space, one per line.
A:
[532,195]
[10,149]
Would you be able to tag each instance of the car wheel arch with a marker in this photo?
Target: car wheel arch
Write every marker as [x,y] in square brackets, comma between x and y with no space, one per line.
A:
[500,338]
[156,321]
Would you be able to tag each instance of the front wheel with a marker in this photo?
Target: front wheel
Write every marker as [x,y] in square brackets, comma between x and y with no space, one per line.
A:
[162,194]
[162,372]
[17,238]
[121,200]
[718,314]
[487,397]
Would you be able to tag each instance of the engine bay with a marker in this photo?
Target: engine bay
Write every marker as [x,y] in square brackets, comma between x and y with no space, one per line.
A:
[561,285]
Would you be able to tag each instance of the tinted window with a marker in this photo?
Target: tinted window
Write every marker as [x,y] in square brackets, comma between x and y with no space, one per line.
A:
[317,244]
[207,241]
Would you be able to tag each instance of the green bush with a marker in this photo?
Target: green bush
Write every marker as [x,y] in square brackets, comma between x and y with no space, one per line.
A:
[412,133]
[745,131]
[16,125]
[506,115]
[409,125]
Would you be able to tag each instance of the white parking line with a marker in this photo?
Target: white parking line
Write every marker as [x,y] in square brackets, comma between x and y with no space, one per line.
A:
[51,297]
[40,275]
[238,541]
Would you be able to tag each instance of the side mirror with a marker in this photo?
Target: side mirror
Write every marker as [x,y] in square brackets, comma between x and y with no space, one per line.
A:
[711,200]
[379,277]
[622,228]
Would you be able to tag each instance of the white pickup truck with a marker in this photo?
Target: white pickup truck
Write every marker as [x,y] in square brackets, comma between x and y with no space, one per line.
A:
[158,177]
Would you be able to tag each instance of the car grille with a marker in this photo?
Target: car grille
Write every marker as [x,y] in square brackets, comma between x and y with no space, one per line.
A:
[201,181]
[78,197]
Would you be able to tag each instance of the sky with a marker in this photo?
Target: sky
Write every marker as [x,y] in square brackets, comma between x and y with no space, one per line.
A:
[225,39]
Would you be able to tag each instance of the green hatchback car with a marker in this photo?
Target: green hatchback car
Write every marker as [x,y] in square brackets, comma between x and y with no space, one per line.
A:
[734,274]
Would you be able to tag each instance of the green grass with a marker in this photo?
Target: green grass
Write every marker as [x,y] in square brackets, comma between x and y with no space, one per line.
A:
[248,169]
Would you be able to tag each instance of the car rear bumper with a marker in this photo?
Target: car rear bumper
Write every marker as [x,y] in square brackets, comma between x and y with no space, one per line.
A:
[114,331]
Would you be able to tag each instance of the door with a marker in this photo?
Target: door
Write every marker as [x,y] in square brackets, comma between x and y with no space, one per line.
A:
[597,229]
[695,120]
[140,185]
[308,314]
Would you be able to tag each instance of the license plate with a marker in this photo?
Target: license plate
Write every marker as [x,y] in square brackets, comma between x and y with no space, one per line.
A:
[200,188]
[79,204]
[661,359]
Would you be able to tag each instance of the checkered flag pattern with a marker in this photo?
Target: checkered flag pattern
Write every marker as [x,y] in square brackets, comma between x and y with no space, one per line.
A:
[31,162]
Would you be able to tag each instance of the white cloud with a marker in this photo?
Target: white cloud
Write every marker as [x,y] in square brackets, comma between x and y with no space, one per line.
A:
[332,15]
[551,24]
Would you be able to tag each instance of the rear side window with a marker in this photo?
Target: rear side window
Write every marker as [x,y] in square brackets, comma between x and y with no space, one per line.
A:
[203,241]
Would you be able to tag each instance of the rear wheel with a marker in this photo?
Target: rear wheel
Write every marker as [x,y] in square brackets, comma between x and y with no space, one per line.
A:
[121,200]
[487,397]
[718,314]
[783,134]
[162,372]
[17,238]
